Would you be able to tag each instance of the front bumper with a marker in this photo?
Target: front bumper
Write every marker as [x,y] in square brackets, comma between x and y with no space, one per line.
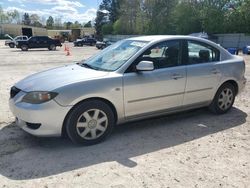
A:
[49,116]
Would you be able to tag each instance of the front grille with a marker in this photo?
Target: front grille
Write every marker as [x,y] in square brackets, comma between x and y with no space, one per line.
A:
[14,91]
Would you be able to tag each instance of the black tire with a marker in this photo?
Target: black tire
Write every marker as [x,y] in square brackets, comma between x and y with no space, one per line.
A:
[12,45]
[52,47]
[217,104]
[24,48]
[77,115]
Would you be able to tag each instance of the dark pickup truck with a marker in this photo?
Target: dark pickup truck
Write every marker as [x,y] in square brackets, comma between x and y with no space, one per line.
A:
[85,41]
[39,42]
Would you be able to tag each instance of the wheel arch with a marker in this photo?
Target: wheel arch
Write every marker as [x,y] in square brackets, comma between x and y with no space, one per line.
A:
[234,83]
[109,103]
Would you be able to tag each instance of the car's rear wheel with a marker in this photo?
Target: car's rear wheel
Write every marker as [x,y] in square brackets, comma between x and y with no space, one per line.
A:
[24,48]
[90,122]
[11,45]
[224,99]
[52,47]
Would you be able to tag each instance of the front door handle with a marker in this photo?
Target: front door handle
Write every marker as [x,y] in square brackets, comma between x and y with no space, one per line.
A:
[215,71]
[176,76]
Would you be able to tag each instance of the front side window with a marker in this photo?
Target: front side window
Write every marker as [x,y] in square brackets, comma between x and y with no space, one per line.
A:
[18,38]
[114,56]
[201,53]
[163,55]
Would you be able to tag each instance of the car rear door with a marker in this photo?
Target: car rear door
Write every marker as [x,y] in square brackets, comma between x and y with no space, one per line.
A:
[154,91]
[43,42]
[203,75]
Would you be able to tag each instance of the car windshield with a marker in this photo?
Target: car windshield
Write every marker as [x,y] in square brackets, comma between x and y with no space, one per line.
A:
[114,56]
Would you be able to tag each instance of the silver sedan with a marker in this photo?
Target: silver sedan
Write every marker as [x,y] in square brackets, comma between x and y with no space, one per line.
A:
[132,79]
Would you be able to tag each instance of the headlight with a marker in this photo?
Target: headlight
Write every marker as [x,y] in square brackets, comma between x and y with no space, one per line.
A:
[38,97]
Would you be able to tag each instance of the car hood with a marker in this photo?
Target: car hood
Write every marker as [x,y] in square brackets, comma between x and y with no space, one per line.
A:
[58,77]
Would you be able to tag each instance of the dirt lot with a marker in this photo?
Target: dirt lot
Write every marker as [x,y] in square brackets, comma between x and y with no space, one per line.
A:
[193,149]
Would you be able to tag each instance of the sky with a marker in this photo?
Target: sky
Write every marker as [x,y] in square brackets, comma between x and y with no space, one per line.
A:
[68,10]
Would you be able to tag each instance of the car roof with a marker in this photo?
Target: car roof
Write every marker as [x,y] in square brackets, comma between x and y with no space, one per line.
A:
[40,36]
[152,38]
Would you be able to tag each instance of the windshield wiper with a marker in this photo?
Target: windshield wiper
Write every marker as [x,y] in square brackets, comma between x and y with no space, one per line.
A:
[87,66]
[92,67]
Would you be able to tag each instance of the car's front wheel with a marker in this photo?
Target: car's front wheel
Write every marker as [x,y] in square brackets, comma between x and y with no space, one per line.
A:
[224,99]
[52,47]
[24,48]
[90,122]
[11,45]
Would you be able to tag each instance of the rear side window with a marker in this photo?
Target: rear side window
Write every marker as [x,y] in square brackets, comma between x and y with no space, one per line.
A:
[33,39]
[201,53]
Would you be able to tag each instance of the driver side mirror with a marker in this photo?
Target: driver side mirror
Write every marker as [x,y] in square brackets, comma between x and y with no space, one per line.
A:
[145,66]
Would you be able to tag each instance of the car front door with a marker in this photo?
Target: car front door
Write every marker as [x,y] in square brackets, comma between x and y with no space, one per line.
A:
[33,42]
[203,75]
[154,91]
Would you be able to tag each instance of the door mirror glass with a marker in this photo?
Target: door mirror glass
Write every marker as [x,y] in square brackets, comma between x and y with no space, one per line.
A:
[145,66]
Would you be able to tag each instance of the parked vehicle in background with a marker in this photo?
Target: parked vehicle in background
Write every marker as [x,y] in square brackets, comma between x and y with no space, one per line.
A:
[12,43]
[132,79]
[39,42]
[103,44]
[246,50]
[233,51]
[85,41]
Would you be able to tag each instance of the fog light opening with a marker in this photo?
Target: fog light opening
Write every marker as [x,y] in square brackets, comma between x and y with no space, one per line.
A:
[33,126]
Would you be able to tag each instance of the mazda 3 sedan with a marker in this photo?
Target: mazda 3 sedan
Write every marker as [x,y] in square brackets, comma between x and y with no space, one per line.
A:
[132,79]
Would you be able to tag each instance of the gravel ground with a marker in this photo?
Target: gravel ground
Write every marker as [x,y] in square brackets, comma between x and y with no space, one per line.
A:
[191,149]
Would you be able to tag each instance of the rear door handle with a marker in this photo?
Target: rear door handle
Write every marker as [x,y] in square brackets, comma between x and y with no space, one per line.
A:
[176,76]
[215,71]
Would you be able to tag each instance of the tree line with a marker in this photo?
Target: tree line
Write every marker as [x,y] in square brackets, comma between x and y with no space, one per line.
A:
[16,17]
[142,17]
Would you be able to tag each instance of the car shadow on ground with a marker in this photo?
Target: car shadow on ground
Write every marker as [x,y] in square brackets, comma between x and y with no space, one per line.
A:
[36,50]
[23,156]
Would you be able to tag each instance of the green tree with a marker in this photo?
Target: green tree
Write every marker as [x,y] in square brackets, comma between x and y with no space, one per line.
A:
[107,29]
[101,15]
[58,23]
[14,16]
[88,24]
[50,22]
[35,20]
[68,25]
[26,19]
[186,18]
[114,10]
[4,17]
[76,25]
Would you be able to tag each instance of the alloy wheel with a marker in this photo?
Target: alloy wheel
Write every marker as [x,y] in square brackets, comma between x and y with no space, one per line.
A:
[226,98]
[92,124]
